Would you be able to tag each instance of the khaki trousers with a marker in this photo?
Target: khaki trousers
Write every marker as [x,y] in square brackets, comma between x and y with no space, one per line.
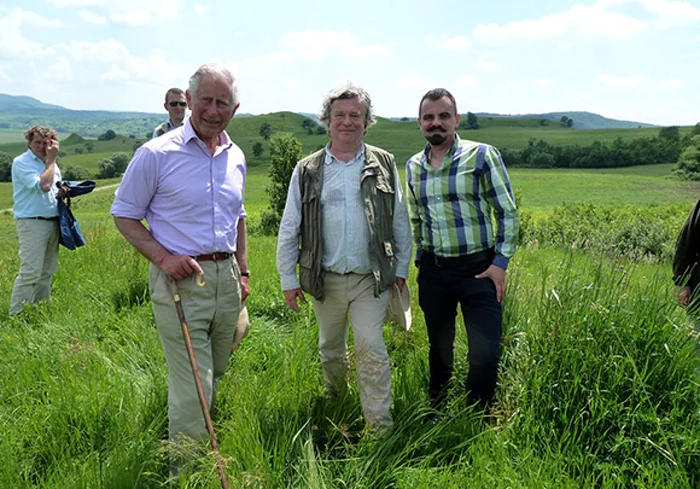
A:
[38,261]
[352,294]
[211,313]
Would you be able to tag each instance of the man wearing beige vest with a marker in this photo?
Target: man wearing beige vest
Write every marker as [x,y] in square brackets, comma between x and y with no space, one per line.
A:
[346,225]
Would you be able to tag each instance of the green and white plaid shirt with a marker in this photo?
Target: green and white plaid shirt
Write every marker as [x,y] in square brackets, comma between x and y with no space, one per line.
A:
[451,209]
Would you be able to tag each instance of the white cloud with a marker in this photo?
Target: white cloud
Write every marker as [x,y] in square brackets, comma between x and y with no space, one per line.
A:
[606,19]
[445,43]
[25,17]
[672,84]
[76,3]
[467,80]
[134,18]
[640,82]
[91,18]
[671,14]
[13,45]
[320,45]
[201,10]
[59,70]
[130,12]
[415,81]
[632,81]
[487,64]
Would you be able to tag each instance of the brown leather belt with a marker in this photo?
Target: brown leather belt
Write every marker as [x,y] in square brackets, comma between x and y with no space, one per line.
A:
[218,256]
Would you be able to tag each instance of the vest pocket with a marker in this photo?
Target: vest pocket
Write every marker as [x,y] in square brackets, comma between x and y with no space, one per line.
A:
[306,258]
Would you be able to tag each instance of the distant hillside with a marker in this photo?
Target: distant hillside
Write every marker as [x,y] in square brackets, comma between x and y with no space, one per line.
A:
[20,112]
[582,120]
[21,103]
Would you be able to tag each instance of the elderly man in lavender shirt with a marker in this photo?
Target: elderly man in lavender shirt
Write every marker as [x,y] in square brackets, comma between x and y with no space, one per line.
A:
[189,185]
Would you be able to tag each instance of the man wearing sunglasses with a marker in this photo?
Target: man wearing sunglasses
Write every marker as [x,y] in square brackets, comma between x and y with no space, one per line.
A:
[175,104]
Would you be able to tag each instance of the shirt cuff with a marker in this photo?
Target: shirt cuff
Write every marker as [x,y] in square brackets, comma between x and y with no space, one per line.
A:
[289,282]
[501,261]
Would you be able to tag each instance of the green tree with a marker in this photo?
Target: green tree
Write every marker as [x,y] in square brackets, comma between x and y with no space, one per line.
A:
[688,165]
[671,133]
[265,130]
[5,167]
[471,122]
[89,146]
[566,121]
[107,136]
[695,130]
[113,166]
[257,149]
[71,172]
[285,152]
[79,151]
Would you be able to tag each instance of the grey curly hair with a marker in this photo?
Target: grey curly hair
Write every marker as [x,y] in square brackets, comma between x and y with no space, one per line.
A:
[347,91]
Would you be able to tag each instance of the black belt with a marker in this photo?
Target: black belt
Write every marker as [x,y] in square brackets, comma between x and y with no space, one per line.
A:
[218,256]
[41,218]
[455,261]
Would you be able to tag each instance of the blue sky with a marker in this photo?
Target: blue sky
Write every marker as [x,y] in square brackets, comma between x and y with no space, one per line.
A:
[625,59]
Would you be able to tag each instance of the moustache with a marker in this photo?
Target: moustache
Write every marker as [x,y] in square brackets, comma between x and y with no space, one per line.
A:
[436,128]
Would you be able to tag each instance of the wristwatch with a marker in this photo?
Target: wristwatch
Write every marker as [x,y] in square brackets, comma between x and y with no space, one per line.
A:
[245,274]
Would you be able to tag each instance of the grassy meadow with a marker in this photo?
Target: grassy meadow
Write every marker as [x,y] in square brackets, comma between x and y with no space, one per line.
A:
[403,138]
[598,388]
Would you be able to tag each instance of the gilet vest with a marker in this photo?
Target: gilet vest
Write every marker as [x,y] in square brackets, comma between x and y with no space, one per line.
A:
[377,181]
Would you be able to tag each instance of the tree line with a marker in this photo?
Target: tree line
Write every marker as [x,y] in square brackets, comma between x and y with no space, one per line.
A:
[667,147]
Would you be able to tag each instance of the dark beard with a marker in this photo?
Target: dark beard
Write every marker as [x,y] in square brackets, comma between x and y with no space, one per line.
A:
[436,139]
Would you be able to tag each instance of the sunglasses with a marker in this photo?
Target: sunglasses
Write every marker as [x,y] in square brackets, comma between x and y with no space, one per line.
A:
[175,104]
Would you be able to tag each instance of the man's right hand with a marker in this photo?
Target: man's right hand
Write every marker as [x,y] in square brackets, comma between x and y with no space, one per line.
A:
[683,295]
[291,297]
[51,151]
[178,267]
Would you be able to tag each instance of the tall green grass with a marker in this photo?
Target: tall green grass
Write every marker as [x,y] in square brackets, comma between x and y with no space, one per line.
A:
[598,385]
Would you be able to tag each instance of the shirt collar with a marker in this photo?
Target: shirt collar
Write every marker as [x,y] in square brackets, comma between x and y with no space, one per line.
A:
[189,134]
[173,126]
[35,157]
[449,153]
[329,156]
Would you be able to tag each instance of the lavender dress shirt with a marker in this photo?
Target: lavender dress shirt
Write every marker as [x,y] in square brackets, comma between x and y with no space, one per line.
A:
[191,200]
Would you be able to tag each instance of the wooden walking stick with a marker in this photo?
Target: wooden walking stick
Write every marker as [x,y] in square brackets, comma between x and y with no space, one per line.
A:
[198,383]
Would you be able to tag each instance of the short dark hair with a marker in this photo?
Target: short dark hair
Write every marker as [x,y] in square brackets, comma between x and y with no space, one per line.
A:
[173,91]
[437,94]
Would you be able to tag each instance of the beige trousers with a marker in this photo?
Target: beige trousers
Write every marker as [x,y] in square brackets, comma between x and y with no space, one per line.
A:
[352,294]
[38,261]
[211,313]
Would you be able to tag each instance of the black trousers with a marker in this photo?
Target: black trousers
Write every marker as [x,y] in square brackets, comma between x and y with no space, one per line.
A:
[440,288]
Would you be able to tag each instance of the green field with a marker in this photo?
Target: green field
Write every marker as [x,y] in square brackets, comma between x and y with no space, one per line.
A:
[403,139]
[598,385]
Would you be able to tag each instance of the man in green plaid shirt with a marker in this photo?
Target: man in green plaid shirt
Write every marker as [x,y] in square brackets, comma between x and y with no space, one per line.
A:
[455,190]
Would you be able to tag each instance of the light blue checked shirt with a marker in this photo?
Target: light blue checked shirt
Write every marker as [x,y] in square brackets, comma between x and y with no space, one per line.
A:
[346,239]
[451,208]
